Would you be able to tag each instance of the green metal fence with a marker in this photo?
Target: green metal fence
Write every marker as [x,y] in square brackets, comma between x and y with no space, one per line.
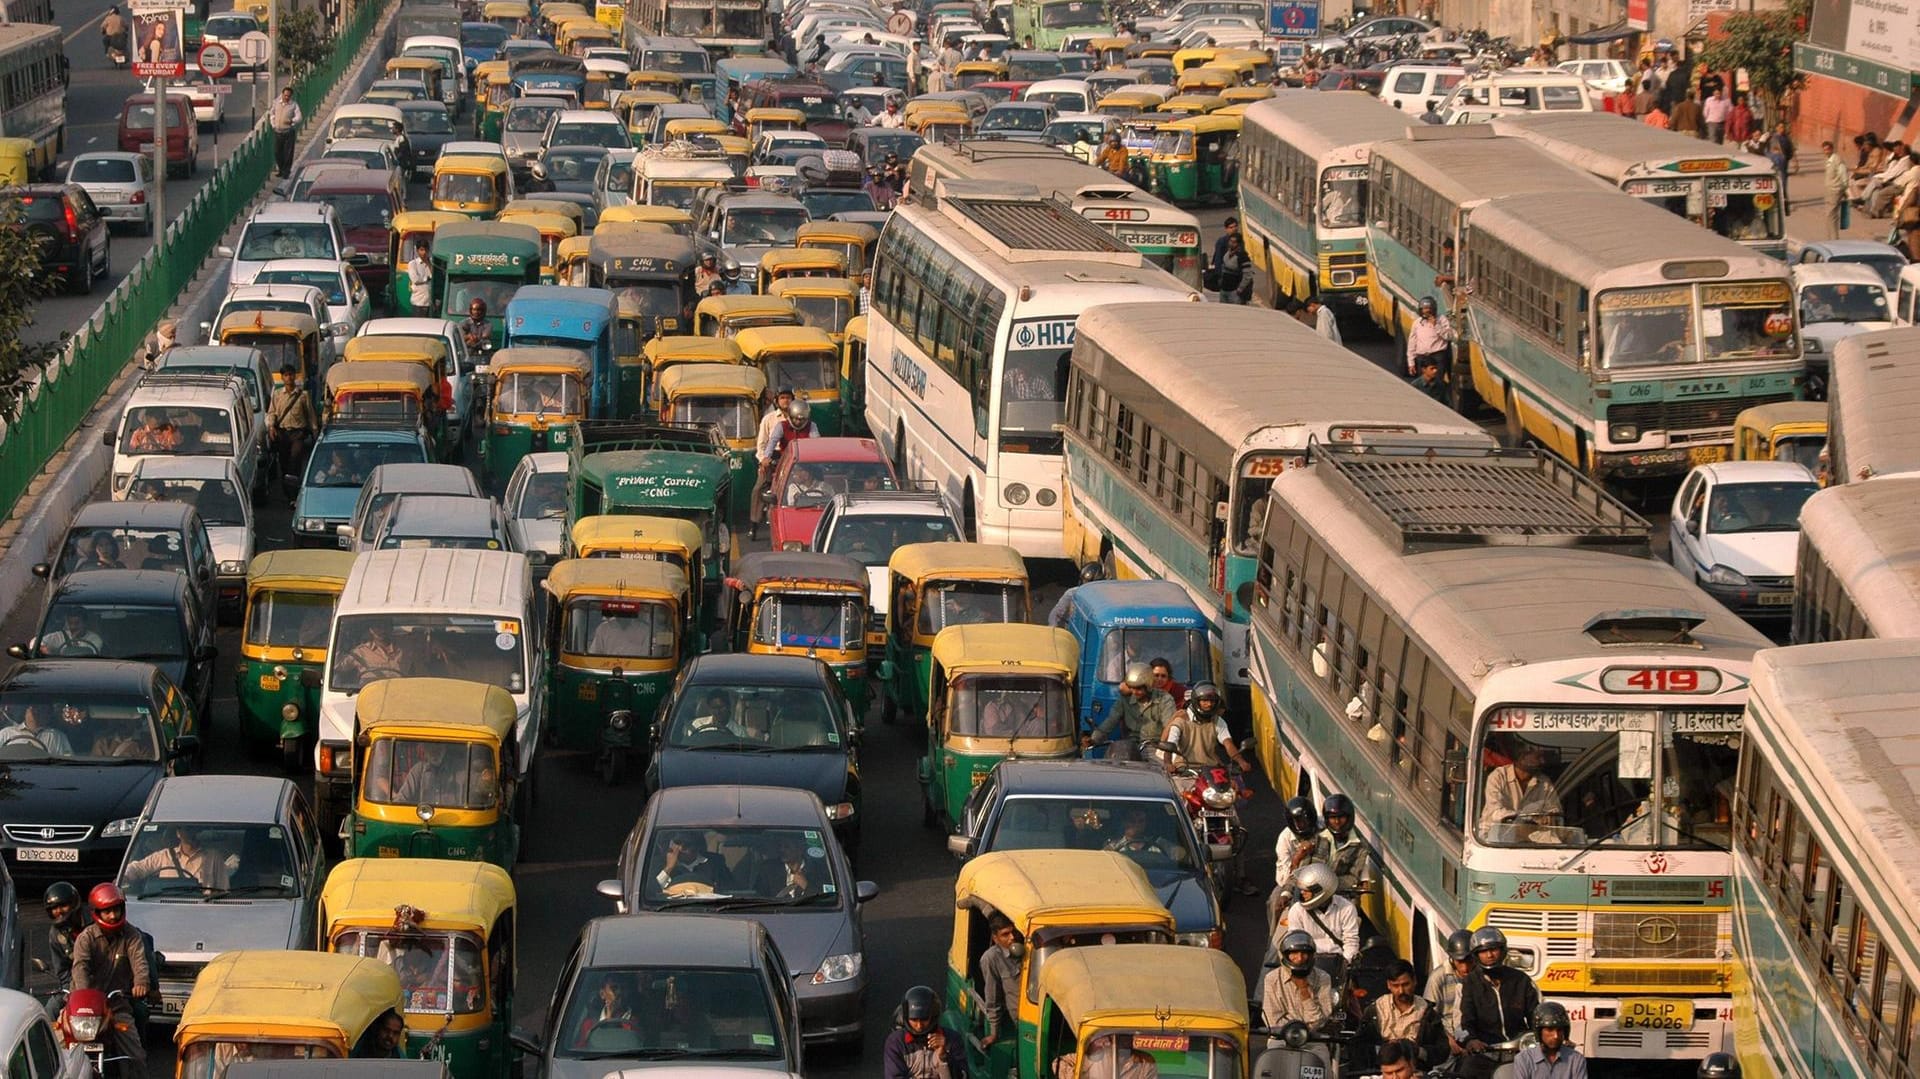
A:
[100,349]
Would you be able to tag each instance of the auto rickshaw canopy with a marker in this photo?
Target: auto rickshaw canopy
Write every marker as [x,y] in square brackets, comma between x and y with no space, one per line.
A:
[1061,887]
[763,341]
[450,895]
[1192,104]
[542,360]
[635,532]
[676,219]
[726,308]
[452,704]
[250,995]
[661,351]
[422,350]
[1148,987]
[378,376]
[712,380]
[295,567]
[1006,647]
[812,567]
[984,561]
[796,261]
[618,577]
[284,323]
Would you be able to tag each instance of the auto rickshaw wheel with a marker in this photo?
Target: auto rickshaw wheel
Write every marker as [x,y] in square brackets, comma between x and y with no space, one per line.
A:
[291,755]
[609,767]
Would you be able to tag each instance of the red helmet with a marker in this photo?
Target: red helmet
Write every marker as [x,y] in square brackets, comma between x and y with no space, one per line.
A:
[109,907]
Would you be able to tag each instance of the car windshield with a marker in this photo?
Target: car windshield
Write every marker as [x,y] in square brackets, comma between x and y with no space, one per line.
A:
[768,718]
[710,866]
[530,120]
[664,1014]
[1014,120]
[327,281]
[1001,706]
[798,620]
[347,464]
[140,117]
[216,499]
[190,430]
[359,211]
[427,122]
[538,393]
[1757,507]
[871,540]
[734,416]
[1843,303]
[416,771]
[612,136]
[763,227]
[81,725]
[619,176]
[824,202]
[813,483]
[440,973]
[113,630]
[424,644]
[111,547]
[544,497]
[680,62]
[275,348]
[283,618]
[101,170]
[1185,651]
[363,127]
[1888,266]
[1151,831]
[368,159]
[192,860]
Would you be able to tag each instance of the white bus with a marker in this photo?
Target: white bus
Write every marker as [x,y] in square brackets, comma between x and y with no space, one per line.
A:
[1167,474]
[1719,188]
[1873,395]
[1858,572]
[975,291]
[1423,621]
[1826,865]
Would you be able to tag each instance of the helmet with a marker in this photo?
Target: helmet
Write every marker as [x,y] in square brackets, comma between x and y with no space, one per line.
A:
[1459,948]
[1487,937]
[1428,303]
[109,907]
[1550,1014]
[1204,701]
[799,410]
[1337,805]
[61,894]
[1301,817]
[1139,675]
[1719,1066]
[1315,884]
[1297,941]
[920,1003]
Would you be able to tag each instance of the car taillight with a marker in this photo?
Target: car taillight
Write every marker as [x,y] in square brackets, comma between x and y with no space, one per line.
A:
[73,223]
[138,198]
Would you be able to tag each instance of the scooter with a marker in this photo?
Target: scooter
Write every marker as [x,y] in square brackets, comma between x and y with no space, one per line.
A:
[1296,1052]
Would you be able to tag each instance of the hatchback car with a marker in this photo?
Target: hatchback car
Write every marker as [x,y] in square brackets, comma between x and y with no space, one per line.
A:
[536,507]
[285,230]
[586,127]
[1836,301]
[213,488]
[387,483]
[349,303]
[523,128]
[566,168]
[867,526]
[120,185]
[342,459]
[209,105]
[364,205]
[1886,259]
[767,854]
[1736,529]
[472,524]
[810,472]
[31,1046]
[67,228]
[429,128]
[219,863]
[143,615]
[137,535]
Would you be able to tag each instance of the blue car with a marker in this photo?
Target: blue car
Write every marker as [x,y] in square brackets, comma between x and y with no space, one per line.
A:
[343,458]
[1123,622]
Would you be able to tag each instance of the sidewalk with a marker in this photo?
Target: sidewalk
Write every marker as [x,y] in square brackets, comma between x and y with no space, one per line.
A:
[1806,196]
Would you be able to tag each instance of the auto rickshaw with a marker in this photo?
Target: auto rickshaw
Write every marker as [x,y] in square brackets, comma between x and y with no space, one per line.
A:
[507,13]
[471,185]
[429,354]
[283,337]
[408,229]
[1109,51]
[935,585]
[617,631]
[739,153]
[1205,79]
[824,303]
[803,603]
[384,391]
[672,218]
[1188,59]
[493,87]
[1184,1007]
[726,316]
[940,124]
[281,1005]
[486,261]
[994,691]
[1057,900]
[686,127]
[664,353]
[1241,96]
[597,93]
[554,230]
[691,485]
[781,263]
[673,540]
[539,395]
[729,396]
[802,359]
[1124,103]
[447,931]
[1257,63]
[1194,160]
[968,72]
[636,108]
[427,72]
[571,269]
[762,120]
[434,768]
[1190,105]
[666,82]
[850,238]
[853,376]
[1787,431]
[283,647]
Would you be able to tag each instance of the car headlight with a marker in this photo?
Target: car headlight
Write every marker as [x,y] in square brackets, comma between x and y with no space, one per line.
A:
[120,480]
[232,566]
[123,827]
[840,811]
[311,524]
[1016,494]
[1727,576]
[793,545]
[839,968]
[1623,432]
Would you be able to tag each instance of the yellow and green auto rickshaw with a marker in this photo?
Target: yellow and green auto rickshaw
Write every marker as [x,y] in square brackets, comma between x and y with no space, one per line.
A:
[941,124]
[672,218]
[664,353]
[1259,62]
[824,303]
[539,397]
[283,337]
[994,692]
[1122,104]
[1191,58]
[506,13]
[618,631]
[554,229]
[729,396]
[1057,900]
[19,160]
[1204,80]
[381,391]
[493,92]
[850,238]
[636,109]
[931,586]
[1109,52]
[968,72]
[1182,105]
[853,376]
[1241,96]
[435,763]
[291,595]
[571,269]
[673,540]
[282,1005]
[803,603]
[408,230]
[764,119]
[1184,1008]
[671,82]
[686,127]
[430,355]
[1787,431]
[427,72]
[726,316]
[739,153]
[801,359]
[471,185]
[1195,160]
[447,930]
[782,263]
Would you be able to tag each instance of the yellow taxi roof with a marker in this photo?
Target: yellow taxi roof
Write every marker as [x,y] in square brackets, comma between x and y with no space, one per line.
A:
[470,163]
[453,895]
[723,306]
[836,231]
[1074,887]
[713,379]
[974,67]
[696,349]
[990,560]
[814,286]
[569,361]
[1006,645]
[245,993]
[1171,986]
[424,220]
[1138,98]
[639,531]
[617,576]
[857,328]
[437,702]
[760,340]
[295,565]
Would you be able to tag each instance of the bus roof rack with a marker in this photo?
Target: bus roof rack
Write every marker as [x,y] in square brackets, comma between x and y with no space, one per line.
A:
[1021,225]
[1439,493]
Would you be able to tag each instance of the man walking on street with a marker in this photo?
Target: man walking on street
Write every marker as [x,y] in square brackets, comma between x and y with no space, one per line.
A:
[1716,110]
[285,117]
[1687,118]
[1836,190]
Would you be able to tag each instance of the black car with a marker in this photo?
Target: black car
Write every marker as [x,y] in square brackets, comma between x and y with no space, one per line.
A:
[141,615]
[82,743]
[764,721]
[70,231]
[566,168]
[1084,805]
[138,535]
[429,127]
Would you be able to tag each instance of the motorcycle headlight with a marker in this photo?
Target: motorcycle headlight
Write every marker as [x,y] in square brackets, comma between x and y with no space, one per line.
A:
[123,827]
[1219,797]
[86,1028]
[839,968]
[1727,576]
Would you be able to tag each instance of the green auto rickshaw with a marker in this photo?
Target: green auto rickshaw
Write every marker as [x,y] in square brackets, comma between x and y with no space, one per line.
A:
[664,353]
[673,540]
[729,396]
[994,692]
[803,359]
[935,585]
[539,396]
[291,595]
[803,603]
[1181,1007]
[486,261]
[1194,160]
[408,230]
[853,377]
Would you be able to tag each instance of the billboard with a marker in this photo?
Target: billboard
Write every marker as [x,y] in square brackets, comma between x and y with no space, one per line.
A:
[158,36]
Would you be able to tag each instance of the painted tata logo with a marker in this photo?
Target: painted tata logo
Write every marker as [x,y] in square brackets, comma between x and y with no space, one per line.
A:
[1656,930]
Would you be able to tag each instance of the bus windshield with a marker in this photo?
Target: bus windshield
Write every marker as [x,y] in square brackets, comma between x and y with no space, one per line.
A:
[1067,14]
[1343,198]
[1658,326]
[1033,383]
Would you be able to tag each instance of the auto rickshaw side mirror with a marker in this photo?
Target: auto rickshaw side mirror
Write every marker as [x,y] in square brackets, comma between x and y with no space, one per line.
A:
[864,890]
[185,745]
[960,846]
[207,328]
[525,1042]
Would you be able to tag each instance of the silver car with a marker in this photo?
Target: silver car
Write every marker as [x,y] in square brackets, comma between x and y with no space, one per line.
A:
[120,184]
[536,507]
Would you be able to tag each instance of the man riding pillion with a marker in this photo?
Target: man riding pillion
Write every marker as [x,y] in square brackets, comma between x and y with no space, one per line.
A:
[1345,851]
[1299,843]
[1139,715]
[1495,1003]
[1297,989]
[1447,983]
[66,919]
[111,956]
[1322,913]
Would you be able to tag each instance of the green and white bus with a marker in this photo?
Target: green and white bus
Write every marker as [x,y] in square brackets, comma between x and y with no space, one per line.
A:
[1048,23]
[1873,395]
[1858,570]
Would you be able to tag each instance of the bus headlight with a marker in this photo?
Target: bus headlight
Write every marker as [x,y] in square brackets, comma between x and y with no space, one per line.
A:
[1810,344]
[1623,432]
[1016,494]
[1046,497]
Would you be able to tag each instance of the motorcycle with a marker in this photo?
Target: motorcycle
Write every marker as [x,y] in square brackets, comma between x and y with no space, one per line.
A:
[86,1020]
[1213,798]
[1501,1054]
[115,46]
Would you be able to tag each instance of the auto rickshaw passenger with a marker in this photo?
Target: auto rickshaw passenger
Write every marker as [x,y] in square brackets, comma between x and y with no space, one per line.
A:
[384,1040]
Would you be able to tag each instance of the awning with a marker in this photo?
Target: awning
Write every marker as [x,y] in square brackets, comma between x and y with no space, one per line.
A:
[1600,35]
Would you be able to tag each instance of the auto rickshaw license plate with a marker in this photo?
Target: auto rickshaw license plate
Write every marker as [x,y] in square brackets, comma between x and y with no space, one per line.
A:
[1656,1013]
[270,683]
[979,778]
[1706,455]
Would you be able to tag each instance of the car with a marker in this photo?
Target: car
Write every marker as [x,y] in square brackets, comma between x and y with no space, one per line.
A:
[439,521]
[265,894]
[293,299]
[429,128]
[1735,531]
[120,185]
[1605,76]
[1885,259]
[209,105]
[149,615]
[364,205]
[1836,300]
[810,472]
[387,483]
[1377,32]
[394,92]
[536,507]
[727,972]
[349,303]
[285,230]
[1090,128]
[383,124]
[227,28]
[568,168]
[1409,85]
[69,231]
[812,743]
[1517,91]
[212,486]
[28,1039]
[481,41]
[586,127]
[114,536]
[774,859]
[867,526]
[188,413]
[770,147]
[461,376]
[523,128]
[294,188]
[613,179]
[1064,95]
[747,225]
[344,456]
[1045,805]
[380,155]
[182,134]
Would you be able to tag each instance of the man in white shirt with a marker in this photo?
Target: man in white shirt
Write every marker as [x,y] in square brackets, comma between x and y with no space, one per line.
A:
[766,448]
[1320,317]
[1322,913]
[1715,111]
[1520,795]
[1431,335]
[420,281]
[891,117]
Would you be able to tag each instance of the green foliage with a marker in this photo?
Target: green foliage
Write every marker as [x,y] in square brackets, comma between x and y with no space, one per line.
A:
[304,41]
[22,285]
[1761,43]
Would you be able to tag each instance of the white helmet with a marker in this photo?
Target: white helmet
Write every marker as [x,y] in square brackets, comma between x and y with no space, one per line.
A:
[1315,884]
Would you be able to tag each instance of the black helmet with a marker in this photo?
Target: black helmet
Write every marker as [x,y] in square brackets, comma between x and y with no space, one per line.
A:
[920,1003]
[1301,817]
[1459,946]
[1550,1014]
[1719,1066]
[61,894]
[1204,701]
[1337,805]
[1092,572]
[1295,942]
[1485,938]
[1428,303]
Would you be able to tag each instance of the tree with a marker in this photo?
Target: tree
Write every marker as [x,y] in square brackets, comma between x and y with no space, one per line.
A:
[304,42]
[1761,44]
[23,283]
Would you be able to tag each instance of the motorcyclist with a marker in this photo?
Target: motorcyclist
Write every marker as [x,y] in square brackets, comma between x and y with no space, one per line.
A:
[67,918]
[476,330]
[1198,733]
[111,956]
[1495,1003]
[1446,983]
[1138,716]
[919,1047]
[1552,1058]
[1320,911]
[113,33]
[1297,989]
[1298,843]
[1345,850]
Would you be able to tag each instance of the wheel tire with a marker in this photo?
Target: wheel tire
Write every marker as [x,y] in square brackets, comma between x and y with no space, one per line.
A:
[889,711]
[291,756]
[929,817]
[83,276]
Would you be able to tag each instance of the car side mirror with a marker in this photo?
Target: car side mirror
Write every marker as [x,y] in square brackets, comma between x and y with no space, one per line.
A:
[865,890]
[226,252]
[349,253]
[334,329]
[106,438]
[345,532]
[206,653]
[43,569]
[525,1043]
[611,889]
[959,846]
[17,651]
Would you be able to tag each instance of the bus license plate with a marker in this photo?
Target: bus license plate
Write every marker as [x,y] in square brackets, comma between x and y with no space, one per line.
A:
[48,854]
[1656,1013]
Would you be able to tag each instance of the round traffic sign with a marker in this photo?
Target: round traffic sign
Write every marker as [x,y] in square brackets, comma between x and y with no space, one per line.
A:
[215,59]
[900,22]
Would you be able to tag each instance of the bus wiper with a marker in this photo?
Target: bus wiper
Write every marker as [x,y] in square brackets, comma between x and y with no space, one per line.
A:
[1595,844]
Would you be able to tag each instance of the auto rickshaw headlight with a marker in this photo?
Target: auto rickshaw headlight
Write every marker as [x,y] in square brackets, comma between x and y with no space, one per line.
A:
[289,711]
[620,720]
[425,810]
[279,671]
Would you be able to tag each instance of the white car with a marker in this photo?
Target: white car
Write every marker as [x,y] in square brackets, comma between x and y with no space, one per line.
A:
[349,305]
[120,185]
[536,507]
[285,230]
[464,362]
[1837,300]
[213,487]
[1736,530]
[1606,76]
[27,1038]
[586,127]
[172,414]
[209,108]
[867,526]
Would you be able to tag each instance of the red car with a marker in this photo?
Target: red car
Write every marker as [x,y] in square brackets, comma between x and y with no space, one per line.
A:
[811,471]
[1003,90]
[364,204]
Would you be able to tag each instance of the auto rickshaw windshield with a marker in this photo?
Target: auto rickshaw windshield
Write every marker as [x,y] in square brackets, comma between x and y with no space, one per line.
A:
[786,864]
[449,775]
[1802,451]
[439,972]
[733,415]
[676,1012]
[619,628]
[829,313]
[539,392]
[422,644]
[1111,1055]
[249,859]
[210,1059]
[652,299]
[798,620]
[998,706]
[967,603]
[716,718]
[462,187]
[1185,651]
[289,619]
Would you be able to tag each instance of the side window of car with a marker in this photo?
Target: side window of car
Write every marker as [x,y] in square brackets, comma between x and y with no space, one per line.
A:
[18,1067]
[305,839]
[44,1052]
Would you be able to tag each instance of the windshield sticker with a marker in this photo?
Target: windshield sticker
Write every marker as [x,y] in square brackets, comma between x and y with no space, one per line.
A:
[763,1039]
[833,738]
[506,626]
[813,838]
[286,880]
[274,832]
[816,852]
[504,641]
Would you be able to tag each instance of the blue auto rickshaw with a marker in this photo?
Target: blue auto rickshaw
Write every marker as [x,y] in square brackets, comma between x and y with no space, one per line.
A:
[565,316]
[1123,622]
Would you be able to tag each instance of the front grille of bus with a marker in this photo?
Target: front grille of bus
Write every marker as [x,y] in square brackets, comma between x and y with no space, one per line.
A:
[1699,979]
[1636,934]
[1698,414]
[1347,270]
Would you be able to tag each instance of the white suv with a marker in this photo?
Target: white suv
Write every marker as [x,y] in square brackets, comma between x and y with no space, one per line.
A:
[187,415]
[286,230]
[867,526]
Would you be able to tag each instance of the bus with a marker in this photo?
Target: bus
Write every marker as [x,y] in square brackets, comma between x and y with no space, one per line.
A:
[1303,192]
[722,27]
[976,287]
[33,99]
[1428,624]
[1167,474]
[1826,863]
[1858,570]
[1716,187]
[35,11]
[1049,23]
[1873,395]
[1168,237]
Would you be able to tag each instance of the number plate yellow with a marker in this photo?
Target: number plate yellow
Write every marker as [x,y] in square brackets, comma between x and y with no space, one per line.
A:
[1656,1013]
[1706,455]
[270,683]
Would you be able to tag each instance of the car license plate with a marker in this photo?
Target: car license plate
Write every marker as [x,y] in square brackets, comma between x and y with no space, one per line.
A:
[48,854]
[1706,455]
[1776,599]
[1656,1013]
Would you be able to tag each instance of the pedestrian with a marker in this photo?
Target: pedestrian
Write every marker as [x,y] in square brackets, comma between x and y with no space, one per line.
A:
[1687,118]
[1715,112]
[285,118]
[1233,274]
[1780,150]
[1790,102]
[1320,317]
[916,70]
[1655,117]
[1837,177]
[1232,227]
[1739,121]
[1430,335]
[291,422]
[1428,380]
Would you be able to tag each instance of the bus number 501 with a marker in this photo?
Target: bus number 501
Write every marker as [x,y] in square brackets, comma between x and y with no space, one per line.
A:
[1660,680]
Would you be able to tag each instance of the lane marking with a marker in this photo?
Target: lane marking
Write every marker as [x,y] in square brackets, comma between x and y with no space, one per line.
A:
[68,40]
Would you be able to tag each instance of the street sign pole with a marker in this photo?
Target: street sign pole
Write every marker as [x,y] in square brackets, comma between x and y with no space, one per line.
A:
[160,158]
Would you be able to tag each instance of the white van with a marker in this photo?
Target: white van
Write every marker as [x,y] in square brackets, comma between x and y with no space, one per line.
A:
[1520,90]
[187,413]
[1906,297]
[1409,86]
[436,613]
